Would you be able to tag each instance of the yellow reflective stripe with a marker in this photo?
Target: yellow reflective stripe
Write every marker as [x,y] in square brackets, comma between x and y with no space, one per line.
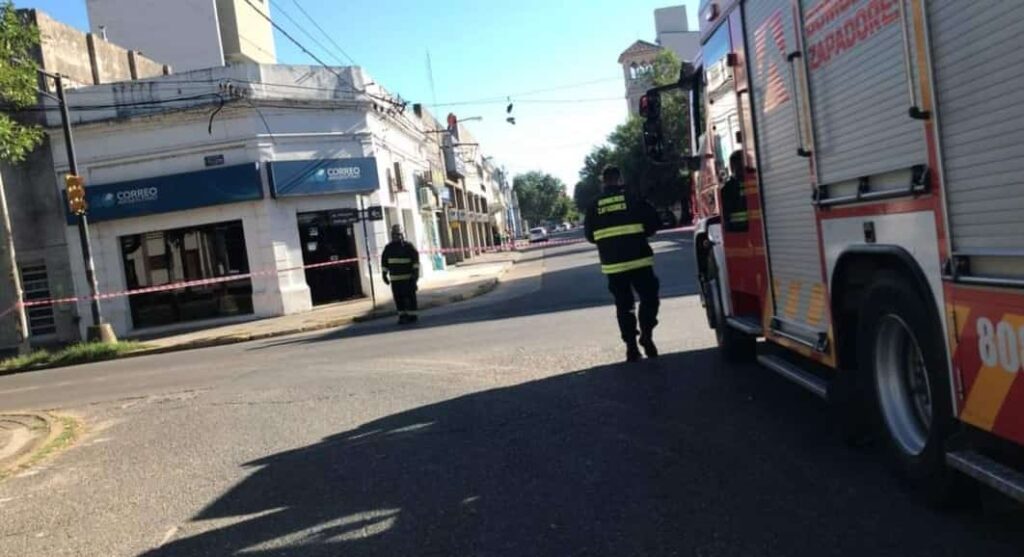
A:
[400,278]
[739,216]
[623,230]
[611,208]
[614,268]
[398,260]
[609,200]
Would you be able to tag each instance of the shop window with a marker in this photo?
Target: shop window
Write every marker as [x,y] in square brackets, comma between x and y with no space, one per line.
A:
[184,255]
[36,284]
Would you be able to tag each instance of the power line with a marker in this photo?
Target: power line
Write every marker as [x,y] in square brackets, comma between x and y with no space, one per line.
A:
[323,48]
[155,102]
[325,33]
[515,96]
[535,101]
[291,38]
[397,104]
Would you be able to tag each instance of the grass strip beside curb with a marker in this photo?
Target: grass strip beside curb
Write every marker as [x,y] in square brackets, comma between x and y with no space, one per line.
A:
[74,354]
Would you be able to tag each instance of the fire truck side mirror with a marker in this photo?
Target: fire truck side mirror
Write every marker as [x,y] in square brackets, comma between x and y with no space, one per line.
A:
[687,76]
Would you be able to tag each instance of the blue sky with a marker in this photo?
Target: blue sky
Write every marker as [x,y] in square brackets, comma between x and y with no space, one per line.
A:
[481,49]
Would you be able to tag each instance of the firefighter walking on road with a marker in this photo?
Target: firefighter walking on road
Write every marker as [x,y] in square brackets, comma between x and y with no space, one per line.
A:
[620,223]
[401,267]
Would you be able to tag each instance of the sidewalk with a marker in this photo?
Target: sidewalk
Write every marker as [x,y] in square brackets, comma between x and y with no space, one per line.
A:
[460,282]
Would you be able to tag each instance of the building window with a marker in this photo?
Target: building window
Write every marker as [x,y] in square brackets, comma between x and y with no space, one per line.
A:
[184,255]
[36,284]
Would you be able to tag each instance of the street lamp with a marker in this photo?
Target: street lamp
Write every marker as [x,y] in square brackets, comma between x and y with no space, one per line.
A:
[98,331]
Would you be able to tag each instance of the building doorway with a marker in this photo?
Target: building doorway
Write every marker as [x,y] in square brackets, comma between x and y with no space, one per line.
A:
[327,237]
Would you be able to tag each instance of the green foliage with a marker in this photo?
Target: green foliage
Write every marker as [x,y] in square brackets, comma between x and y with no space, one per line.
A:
[663,184]
[17,83]
[542,198]
[74,354]
[589,186]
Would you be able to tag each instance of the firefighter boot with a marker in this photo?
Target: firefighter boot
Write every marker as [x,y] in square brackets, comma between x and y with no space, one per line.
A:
[647,341]
[632,352]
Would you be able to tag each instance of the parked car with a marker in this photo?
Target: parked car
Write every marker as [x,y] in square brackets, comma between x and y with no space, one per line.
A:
[539,234]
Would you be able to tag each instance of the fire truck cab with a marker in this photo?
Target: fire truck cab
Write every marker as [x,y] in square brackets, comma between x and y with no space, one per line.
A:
[859,205]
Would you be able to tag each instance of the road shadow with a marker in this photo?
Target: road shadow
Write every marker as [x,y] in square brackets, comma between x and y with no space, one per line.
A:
[679,457]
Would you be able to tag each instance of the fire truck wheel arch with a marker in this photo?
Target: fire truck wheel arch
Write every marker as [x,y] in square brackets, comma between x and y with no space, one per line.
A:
[848,296]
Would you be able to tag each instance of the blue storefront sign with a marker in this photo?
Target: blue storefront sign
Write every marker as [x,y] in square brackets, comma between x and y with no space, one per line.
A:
[175,192]
[323,176]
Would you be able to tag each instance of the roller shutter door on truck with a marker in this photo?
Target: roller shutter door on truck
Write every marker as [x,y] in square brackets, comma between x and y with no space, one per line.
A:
[978,64]
[859,93]
[790,227]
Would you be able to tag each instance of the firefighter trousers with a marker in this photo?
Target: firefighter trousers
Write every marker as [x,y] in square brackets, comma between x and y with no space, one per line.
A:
[646,285]
[404,292]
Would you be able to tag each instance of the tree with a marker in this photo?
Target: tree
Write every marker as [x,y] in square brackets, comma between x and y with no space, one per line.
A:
[17,140]
[17,83]
[589,186]
[665,184]
[542,197]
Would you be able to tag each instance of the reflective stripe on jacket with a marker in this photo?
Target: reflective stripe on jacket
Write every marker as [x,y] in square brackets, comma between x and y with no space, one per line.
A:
[619,223]
[400,261]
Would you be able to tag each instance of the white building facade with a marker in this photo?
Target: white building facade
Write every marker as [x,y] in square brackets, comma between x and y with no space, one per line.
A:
[250,208]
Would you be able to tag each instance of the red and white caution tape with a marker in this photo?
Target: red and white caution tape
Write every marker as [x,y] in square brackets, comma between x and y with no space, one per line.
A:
[246,276]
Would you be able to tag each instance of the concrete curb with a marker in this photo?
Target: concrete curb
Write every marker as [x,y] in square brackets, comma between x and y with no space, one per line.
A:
[237,338]
[60,431]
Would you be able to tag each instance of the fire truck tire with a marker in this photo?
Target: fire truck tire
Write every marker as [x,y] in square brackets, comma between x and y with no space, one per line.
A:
[903,358]
[734,345]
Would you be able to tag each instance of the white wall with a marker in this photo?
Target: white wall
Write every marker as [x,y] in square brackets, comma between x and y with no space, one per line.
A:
[182,33]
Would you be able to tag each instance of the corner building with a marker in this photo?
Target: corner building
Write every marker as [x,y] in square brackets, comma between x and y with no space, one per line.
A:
[250,171]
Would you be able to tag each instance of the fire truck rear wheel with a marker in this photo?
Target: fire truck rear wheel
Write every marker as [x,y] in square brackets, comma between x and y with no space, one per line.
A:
[902,354]
[734,345]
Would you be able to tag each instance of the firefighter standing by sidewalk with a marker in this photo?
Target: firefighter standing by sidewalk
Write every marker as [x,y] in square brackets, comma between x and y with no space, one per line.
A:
[401,267]
[620,223]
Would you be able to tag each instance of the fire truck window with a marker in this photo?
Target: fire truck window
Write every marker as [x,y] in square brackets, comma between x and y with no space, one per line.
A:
[717,47]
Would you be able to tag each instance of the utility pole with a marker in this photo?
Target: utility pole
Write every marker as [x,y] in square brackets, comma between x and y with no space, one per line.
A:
[99,331]
[366,248]
[20,317]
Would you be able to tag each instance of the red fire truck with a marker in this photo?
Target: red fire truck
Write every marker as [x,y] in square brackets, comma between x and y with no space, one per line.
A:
[858,178]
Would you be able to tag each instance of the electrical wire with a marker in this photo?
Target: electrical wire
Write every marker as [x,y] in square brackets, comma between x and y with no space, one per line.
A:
[323,48]
[325,33]
[155,102]
[517,96]
[398,104]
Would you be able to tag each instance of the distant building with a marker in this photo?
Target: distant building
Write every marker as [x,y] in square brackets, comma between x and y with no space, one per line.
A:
[637,61]
[189,34]
[673,32]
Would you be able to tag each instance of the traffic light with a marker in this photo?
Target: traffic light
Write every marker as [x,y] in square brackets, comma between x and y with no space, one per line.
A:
[653,141]
[650,109]
[650,106]
[75,187]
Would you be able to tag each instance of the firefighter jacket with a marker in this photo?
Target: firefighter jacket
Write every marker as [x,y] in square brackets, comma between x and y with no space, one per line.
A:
[401,261]
[619,223]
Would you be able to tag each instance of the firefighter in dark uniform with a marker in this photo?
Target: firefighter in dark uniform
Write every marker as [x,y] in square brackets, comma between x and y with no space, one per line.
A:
[401,266]
[620,223]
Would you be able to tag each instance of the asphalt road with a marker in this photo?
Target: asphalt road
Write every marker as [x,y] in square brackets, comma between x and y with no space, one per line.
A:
[503,426]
